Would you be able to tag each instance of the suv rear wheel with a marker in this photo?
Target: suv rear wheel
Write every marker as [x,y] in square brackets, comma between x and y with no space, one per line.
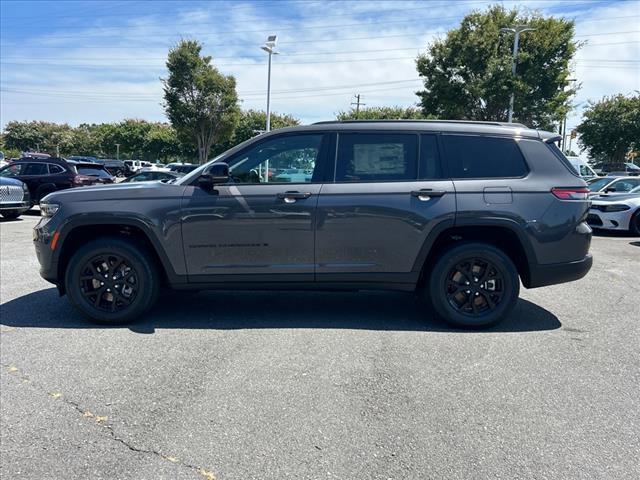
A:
[112,281]
[473,285]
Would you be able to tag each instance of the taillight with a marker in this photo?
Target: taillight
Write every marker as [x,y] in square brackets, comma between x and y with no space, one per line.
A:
[81,180]
[571,193]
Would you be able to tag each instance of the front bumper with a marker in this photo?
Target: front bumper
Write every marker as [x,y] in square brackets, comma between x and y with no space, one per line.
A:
[43,234]
[542,275]
[609,220]
[22,206]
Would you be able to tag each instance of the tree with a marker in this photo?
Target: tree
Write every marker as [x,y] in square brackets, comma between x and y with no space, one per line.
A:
[610,128]
[382,113]
[42,136]
[467,75]
[250,124]
[200,102]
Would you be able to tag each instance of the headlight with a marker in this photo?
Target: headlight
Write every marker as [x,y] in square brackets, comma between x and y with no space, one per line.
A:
[48,210]
[615,208]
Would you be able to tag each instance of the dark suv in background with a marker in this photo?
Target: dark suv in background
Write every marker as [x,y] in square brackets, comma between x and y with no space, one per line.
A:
[46,175]
[457,212]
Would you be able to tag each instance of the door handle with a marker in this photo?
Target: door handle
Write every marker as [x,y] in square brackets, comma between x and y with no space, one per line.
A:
[426,194]
[291,197]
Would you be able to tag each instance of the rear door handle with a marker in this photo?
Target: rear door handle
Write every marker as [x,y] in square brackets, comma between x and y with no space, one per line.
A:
[426,194]
[291,197]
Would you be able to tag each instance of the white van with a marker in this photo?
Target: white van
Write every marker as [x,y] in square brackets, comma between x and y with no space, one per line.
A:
[582,167]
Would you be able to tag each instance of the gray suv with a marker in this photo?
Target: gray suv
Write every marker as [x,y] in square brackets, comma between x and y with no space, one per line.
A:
[457,212]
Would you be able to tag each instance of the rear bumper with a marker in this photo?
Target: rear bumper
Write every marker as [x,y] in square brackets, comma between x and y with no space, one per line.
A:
[541,275]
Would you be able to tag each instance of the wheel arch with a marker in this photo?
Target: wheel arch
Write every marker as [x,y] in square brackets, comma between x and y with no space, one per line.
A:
[504,235]
[77,232]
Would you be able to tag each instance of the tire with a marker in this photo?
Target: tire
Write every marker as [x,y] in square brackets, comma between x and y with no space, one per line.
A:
[494,298]
[128,264]
[634,224]
[11,214]
[41,193]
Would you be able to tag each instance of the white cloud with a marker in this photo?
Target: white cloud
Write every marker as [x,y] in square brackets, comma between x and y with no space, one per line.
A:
[107,73]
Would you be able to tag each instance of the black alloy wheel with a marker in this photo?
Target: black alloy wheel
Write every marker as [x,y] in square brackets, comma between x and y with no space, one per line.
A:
[109,283]
[473,285]
[112,280]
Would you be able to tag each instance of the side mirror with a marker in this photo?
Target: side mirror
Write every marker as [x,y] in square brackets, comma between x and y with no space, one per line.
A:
[215,174]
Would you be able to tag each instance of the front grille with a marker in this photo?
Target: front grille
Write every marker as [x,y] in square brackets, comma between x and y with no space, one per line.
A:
[594,220]
[11,194]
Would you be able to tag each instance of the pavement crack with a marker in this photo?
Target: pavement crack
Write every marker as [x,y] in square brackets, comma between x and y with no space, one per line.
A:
[101,421]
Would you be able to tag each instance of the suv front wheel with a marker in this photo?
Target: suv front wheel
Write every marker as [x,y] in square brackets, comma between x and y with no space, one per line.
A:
[473,285]
[112,281]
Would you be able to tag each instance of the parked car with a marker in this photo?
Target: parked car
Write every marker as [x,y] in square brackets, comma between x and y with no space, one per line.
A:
[616,212]
[83,158]
[114,167]
[14,197]
[611,184]
[294,175]
[45,175]
[96,171]
[626,168]
[182,167]
[152,175]
[582,167]
[457,212]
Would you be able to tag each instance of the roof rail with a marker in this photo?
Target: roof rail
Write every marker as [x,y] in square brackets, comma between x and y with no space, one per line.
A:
[476,122]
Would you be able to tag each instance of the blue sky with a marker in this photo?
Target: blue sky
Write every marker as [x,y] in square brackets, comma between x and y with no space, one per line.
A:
[101,61]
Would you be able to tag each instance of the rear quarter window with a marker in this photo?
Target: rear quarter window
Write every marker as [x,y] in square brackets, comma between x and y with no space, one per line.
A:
[472,156]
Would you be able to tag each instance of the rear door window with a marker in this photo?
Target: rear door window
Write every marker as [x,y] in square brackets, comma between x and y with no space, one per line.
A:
[36,169]
[483,157]
[375,157]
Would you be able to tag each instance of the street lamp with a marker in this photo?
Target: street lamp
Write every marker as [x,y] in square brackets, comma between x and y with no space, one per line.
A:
[564,122]
[517,30]
[118,151]
[270,48]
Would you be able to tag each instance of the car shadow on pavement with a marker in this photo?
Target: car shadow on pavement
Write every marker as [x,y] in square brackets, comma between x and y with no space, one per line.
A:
[226,310]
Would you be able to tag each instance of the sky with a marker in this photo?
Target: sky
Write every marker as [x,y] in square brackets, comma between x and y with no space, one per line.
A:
[102,61]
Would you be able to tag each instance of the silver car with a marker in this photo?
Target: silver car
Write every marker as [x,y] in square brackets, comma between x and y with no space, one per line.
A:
[616,212]
[14,197]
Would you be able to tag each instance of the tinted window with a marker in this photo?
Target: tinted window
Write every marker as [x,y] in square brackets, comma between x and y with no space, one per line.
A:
[36,169]
[429,159]
[625,185]
[53,169]
[600,184]
[483,157]
[290,159]
[373,157]
[93,171]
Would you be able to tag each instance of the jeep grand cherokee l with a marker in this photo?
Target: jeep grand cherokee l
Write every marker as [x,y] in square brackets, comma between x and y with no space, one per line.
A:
[458,212]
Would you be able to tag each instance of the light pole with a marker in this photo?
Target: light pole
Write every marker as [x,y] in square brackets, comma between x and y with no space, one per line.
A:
[117,151]
[564,122]
[270,48]
[517,30]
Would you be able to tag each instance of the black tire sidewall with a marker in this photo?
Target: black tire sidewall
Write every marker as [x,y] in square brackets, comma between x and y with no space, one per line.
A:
[138,259]
[634,224]
[11,214]
[448,260]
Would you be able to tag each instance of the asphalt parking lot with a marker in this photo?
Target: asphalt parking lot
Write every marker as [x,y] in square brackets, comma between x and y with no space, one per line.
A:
[321,385]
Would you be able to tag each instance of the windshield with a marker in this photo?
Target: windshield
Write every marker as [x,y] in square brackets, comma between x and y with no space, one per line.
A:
[599,184]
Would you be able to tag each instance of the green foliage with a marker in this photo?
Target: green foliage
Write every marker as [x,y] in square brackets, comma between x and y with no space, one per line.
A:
[250,124]
[200,102]
[137,138]
[610,128]
[382,113]
[467,75]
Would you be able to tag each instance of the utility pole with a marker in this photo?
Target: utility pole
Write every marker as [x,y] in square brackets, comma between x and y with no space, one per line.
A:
[357,103]
[517,30]
[117,151]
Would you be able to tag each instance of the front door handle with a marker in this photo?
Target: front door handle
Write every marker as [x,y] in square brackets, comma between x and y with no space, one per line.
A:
[426,194]
[291,197]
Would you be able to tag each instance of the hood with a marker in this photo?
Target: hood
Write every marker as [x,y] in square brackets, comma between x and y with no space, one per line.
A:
[634,198]
[117,191]
[10,181]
